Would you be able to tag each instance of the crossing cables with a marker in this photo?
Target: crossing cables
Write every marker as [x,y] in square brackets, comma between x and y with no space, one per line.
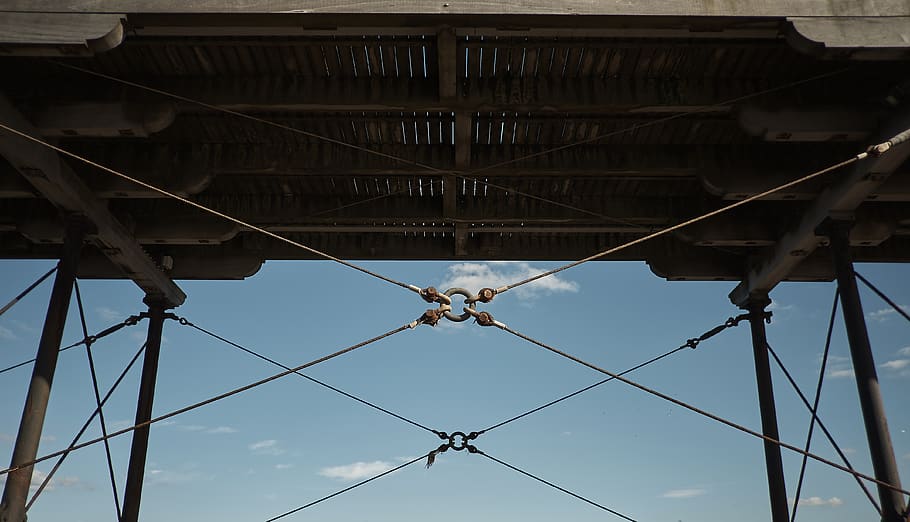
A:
[219,397]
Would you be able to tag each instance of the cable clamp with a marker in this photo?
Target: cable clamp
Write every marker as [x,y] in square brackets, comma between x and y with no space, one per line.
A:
[431,295]
[483,318]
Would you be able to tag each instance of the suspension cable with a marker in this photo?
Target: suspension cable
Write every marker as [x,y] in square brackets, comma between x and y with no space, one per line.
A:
[84,427]
[307,377]
[813,410]
[884,297]
[235,391]
[208,210]
[100,409]
[130,321]
[690,343]
[245,116]
[349,488]
[694,409]
[554,486]
[27,291]
[665,231]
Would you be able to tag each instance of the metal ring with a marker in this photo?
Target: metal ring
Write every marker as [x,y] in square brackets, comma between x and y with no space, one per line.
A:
[462,444]
[468,296]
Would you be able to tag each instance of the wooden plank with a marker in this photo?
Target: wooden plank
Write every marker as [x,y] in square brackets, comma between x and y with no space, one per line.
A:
[572,8]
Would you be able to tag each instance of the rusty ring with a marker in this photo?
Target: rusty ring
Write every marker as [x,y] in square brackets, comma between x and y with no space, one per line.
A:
[468,297]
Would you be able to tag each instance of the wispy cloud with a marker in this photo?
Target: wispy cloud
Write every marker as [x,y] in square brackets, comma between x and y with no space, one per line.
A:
[684,493]
[896,364]
[356,471]
[218,430]
[108,314]
[284,466]
[905,351]
[885,313]
[266,447]
[474,276]
[842,374]
[7,335]
[818,502]
[157,476]
[38,477]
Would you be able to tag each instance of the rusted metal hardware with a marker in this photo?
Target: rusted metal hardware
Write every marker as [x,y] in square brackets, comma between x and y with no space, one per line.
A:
[468,296]
[431,295]
[432,316]
[484,296]
[457,441]
[483,318]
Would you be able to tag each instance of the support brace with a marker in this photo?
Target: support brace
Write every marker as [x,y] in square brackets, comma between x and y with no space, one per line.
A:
[15,493]
[870,396]
[777,488]
[139,450]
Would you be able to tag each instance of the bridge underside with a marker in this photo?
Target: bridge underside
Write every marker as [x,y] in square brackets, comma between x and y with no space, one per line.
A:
[455,136]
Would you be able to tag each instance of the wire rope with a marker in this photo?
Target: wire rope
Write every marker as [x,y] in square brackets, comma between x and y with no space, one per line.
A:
[27,291]
[216,398]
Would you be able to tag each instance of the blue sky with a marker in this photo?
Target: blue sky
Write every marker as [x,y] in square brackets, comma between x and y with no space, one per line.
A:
[269,450]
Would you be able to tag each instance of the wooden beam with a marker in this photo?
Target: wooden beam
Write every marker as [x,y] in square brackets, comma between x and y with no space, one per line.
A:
[845,194]
[44,169]
[685,8]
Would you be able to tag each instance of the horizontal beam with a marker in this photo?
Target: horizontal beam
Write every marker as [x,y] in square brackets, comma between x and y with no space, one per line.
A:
[847,191]
[684,8]
[44,169]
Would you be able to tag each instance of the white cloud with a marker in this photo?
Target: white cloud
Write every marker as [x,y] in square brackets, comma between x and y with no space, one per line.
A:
[221,429]
[474,276]
[775,306]
[841,374]
[266,447]
[684,493]
[284,466]
[896,364]
[904,351]
[6,334]
[885,313]
[818,501]
[357,470]
[108,314]
[166,477]
[38,477]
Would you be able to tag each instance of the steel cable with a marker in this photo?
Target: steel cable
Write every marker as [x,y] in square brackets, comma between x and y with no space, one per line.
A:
[349,488]
[216,398]
[665,231]
[552,485]
[691,343]
[208,210]
[699,411]
[27,291]
[307,377]
[82,430]
[884,297]
[813,410]
[100,409]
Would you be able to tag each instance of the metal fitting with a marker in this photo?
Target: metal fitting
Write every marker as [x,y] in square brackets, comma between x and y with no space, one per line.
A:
[486,295]
[468,296]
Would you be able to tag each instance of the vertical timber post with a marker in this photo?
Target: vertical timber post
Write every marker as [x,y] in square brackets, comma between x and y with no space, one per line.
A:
[870,396]
[777,488]
[15,493]
[134,476]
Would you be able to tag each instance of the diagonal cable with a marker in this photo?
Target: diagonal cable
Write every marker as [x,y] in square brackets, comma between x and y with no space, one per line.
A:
[208,210]
[82,430]
[27,291]
[231,393]
[107,331]
[349,488]
[691,343]
[665,231]
[465,175]
[100,409]
[307,377]
[884,297]
[697,410]
[554,486]
[245,116]
[813,409]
